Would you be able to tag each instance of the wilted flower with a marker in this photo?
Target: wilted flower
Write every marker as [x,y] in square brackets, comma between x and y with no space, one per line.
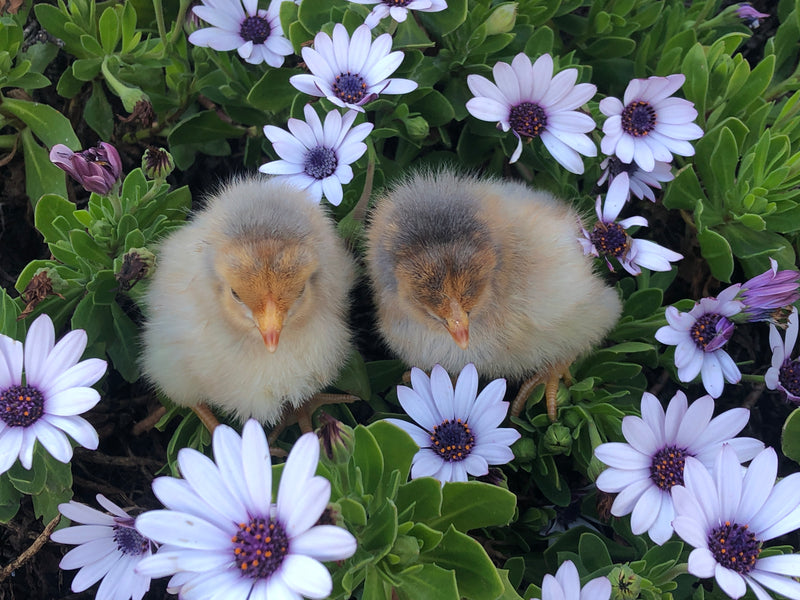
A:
[772,290]
[55,392]
[256,34]
[136,264]
[459,432]
[224,537]
[96,169]
[609,238]
[110,548]
[351,72]
[317,156]
[699,336]
[45,282]
[398,9]
[728,515]
[157,163]
[566,585]
[649,125]
[532,102]
[640,183]
[644,471]
[750,15]
[784,374]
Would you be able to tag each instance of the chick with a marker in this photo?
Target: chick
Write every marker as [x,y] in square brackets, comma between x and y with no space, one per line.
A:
[247,308]
[485,271]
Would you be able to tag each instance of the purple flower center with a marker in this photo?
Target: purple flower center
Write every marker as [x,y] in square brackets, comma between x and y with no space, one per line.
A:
[255,29]
[260,546]
[666,470]
[638,118]
[130,541]
[98,156]
[397,2]
[711,331]
[320,162]
[735,547]
[789,376]
[21,406]
[528,119]
[350,88]
[453,440]
[610,239]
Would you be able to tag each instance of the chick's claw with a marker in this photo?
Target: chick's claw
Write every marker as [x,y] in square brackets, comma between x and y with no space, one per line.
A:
[550,379]
[302,414]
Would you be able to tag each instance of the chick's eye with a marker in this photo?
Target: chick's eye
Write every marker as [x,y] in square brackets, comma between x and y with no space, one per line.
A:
[235,295]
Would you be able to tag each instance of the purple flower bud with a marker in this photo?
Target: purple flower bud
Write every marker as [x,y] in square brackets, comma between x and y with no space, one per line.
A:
[96,169]
[765,294]
[750,15]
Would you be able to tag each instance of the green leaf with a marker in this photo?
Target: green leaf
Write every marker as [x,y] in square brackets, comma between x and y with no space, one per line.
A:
[431,582]
[428,536]
[97,112]
[10,504]
[47,123]
[273,92]
[68,85]
[611,47]
[205,126]
[397,447]
[29,482]
[756,84]
[87,248]
[45,217]
[476,576]
[368,457]
[425,494]
[353,377]
[717,251]
[381,531]
[9,311]
[443,22]
[42,177]
[410,35]
[593,552]
[685,191]
[124,347]
[790,436]
[86,69]
[109,28]
[436,109]
[472,504]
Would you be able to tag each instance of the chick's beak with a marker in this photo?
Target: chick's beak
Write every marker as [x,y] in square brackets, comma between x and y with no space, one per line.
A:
[269,321]
[458,325]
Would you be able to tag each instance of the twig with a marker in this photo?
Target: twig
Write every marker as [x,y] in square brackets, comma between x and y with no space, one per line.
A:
[31,550]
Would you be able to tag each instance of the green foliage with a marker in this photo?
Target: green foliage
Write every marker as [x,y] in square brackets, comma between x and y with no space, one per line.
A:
[412,534]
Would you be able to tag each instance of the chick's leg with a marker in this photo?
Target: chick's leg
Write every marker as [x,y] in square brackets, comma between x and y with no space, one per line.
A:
[302,414]
[206,416]
[550,378]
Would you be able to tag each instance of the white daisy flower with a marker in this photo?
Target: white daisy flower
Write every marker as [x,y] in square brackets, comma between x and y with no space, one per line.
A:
[649,125]
[316,156]
[224,537]
[459,432]
[109,549]
[727,516]
[644,471]
[398,9]
[532,102]
[699,336]
[784,374]
[256,34]
[640,183]
[609,238]
[566,585]
[351,72]
[55,392]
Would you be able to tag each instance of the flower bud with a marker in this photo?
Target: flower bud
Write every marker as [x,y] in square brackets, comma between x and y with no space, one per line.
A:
[558,439]
[96,169]
[337,439]
[136,264]
[625,584]
[157,163]
[417,128]
[502,19]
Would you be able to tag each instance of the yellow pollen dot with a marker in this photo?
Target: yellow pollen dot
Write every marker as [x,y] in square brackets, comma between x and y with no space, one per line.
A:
[268,553]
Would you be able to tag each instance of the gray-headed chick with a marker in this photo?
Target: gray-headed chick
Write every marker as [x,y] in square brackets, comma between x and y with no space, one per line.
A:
[247,308]
[484,271]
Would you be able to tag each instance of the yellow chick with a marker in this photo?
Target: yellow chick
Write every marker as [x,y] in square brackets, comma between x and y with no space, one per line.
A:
[485,271]
[247,309]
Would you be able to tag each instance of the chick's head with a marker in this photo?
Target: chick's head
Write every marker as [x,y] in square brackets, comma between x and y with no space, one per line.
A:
[266,284]
[444,281]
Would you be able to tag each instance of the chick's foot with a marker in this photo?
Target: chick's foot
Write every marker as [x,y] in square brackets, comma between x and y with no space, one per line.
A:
[550,378]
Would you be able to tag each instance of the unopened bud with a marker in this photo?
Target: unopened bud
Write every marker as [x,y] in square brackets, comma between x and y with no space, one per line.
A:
[157,163]
[558,439]
[337,439]
[625,584]
[502,19]
[417,128]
